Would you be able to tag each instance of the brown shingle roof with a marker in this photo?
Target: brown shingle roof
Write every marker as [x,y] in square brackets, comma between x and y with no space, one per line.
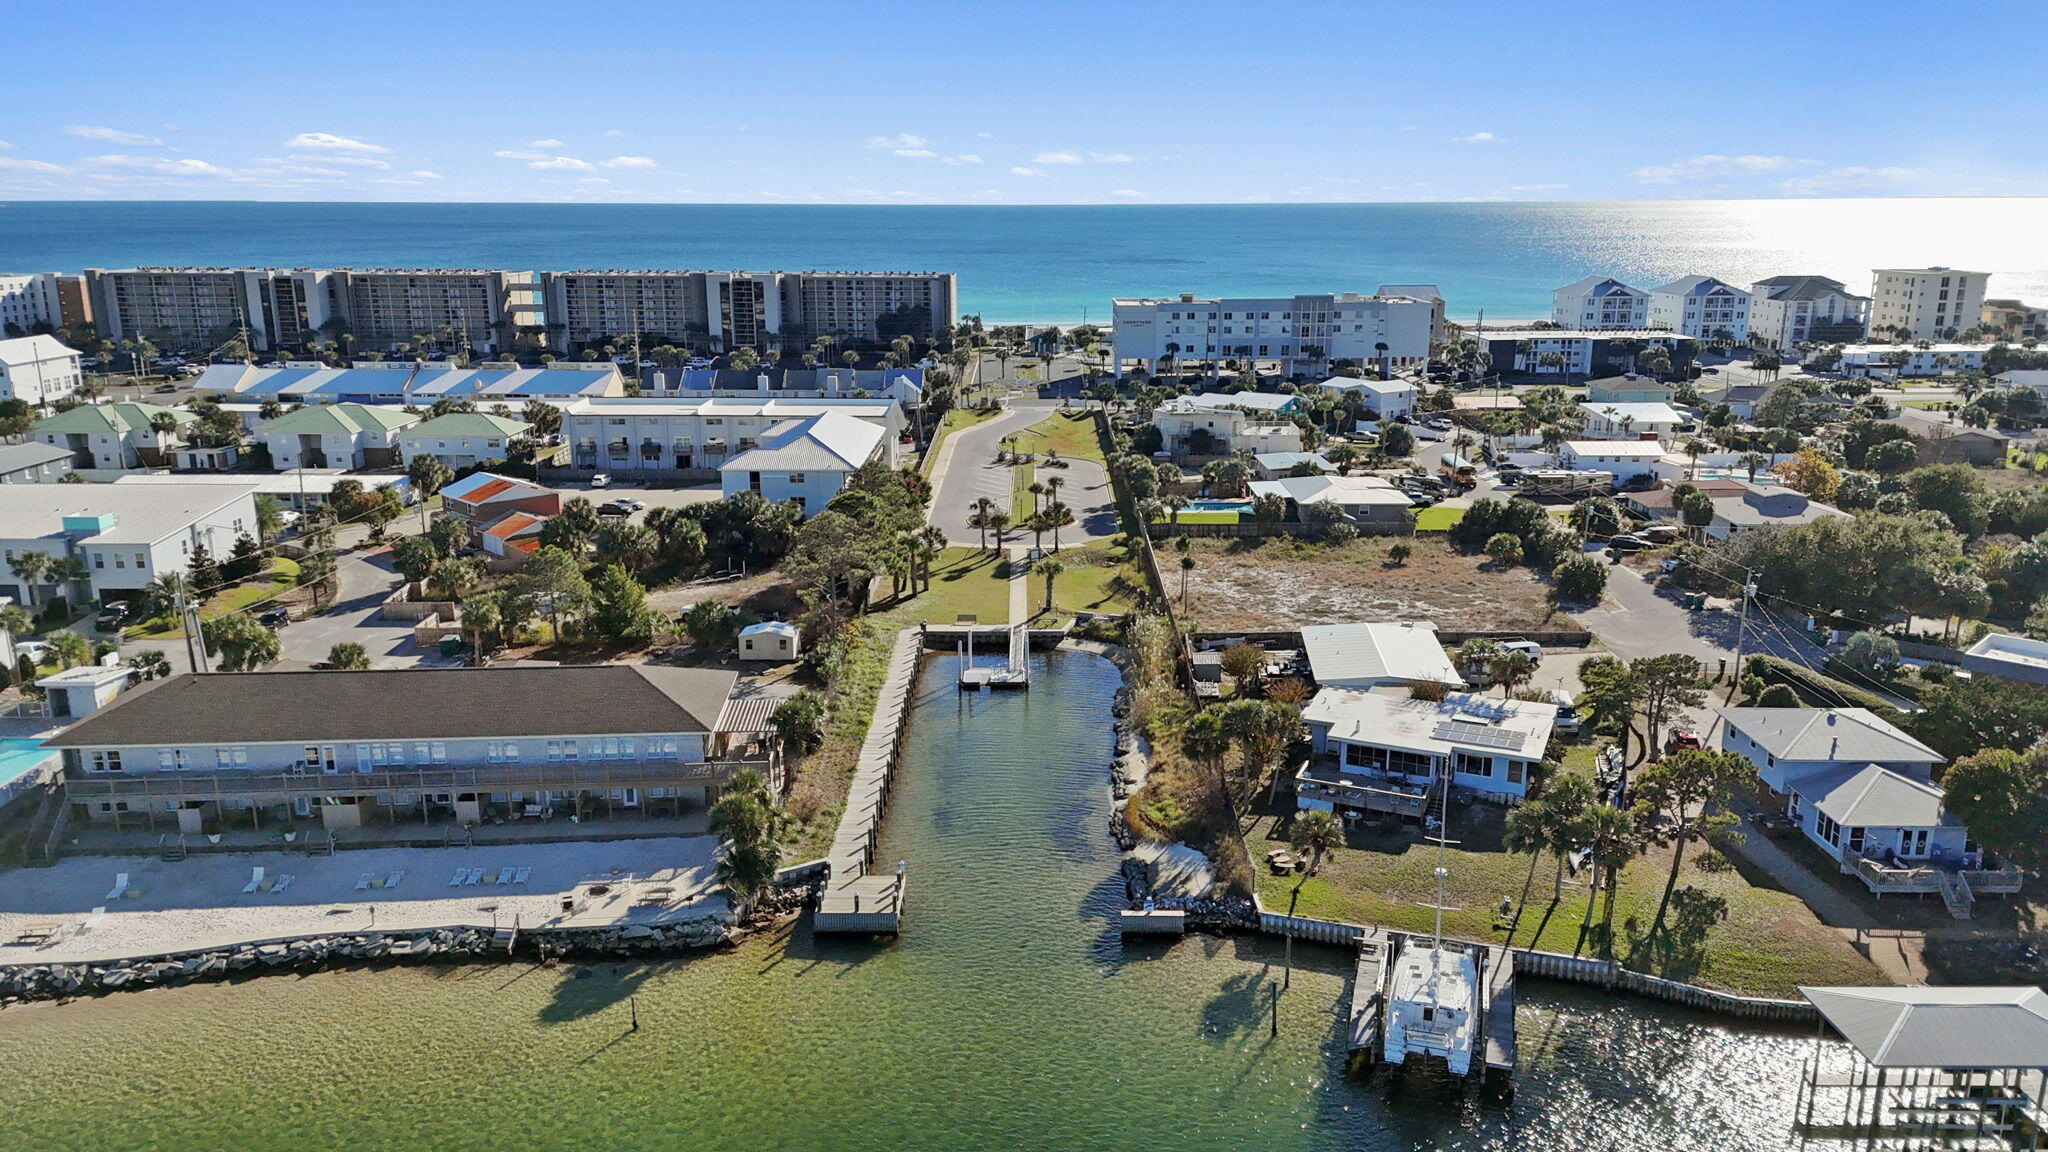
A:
[416,704]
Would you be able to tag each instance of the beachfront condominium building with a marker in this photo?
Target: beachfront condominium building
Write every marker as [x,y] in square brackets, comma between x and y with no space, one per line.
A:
[1701,307]
[37,369]
[1569,351]
[1600,302]
[1386,330]
[197,309]
[2013,320]
[406,748]
[1787,311]
[724,310]
[41,302]
[1926,303]
[651,437]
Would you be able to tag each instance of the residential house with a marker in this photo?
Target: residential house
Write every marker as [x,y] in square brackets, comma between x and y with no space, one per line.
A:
[1361,657]
[1656,503]
[1599,302]
[510,539]
[1943,441]
[1232,422]
[400,382]
[125,535]
[1276,465]
[1926,303]
[1895,360]
[38,370]
[2034,378]
[345,435]
[1764,506]
[403,748]
[301,489]
[808,461]
[1626,459]
[481,497]
[1743,399]
[1701,307]
[1566,351]
[1787,743]
[32,463]
[115,436]
[1787,311]
[1390,753]
[2013,657]
[1369,501]
[903,385]
[1630,421]
[460,439]
[1630,389]
[691,438]
[1386,398]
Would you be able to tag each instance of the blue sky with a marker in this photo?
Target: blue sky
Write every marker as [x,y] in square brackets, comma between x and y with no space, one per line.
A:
[1024,103]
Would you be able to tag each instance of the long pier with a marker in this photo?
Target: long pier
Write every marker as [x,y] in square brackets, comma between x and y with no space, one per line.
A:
[856,898]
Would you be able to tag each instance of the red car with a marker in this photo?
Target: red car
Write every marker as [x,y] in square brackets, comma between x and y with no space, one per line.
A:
[1682,739]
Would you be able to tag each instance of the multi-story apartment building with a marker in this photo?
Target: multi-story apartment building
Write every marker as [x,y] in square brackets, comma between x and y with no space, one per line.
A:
[1926,303]
[723,310]
[37,369]
[1701,307]
[125,434]
[492,310]
[179,308]
[2014,320]
[356,749]
[1578,350]
[1391,331]
[40,302]
[1786,311]
[1600,302]
[695,438]
[127,535]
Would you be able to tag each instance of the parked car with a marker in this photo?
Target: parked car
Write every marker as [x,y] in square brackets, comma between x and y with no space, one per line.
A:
[623,506]
[112,617]
[601,480]
[1528,647]
[1568,722]
[165,388]
[1662,533]
[1629,543]
[35,650]
[275,619]
[1682,739]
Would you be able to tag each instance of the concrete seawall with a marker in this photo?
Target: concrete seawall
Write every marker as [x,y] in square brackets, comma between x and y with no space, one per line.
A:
[854,899]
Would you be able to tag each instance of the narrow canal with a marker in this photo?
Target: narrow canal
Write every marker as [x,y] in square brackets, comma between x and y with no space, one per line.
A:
[1006,1017]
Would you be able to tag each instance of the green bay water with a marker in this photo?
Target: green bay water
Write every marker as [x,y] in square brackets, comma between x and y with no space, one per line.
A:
[1008,1016]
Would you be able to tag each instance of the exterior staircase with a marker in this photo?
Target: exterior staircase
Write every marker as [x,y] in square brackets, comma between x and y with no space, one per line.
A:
[1955,892]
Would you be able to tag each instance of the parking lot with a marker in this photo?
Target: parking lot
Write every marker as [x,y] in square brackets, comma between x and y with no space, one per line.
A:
[651,497]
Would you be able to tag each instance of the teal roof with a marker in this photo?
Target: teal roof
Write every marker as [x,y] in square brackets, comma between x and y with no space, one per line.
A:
[469,424]
[326,418]
[118,418]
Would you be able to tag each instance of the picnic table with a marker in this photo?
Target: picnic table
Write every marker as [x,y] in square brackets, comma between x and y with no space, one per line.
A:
[38,933]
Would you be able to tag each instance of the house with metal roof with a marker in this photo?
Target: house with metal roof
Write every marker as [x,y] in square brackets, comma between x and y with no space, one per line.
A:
[1388,398]
[691,437]
[405,748]
[504,516]
[115,436]
[1275,465]
[461,439]
[345,435]
[777,640]
[1851,811]
[1600,302]
[418,382]
[1630,421]
[1388,753]
[38,369]
[807,461]
[32,463]
[1787,743]
[1629,388]
[1365,500]
[1786,311]
[125,535]
[1377,655]
[903,385]
[1626,459]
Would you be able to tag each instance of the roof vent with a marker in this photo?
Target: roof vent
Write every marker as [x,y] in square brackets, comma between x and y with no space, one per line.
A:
[1831,717]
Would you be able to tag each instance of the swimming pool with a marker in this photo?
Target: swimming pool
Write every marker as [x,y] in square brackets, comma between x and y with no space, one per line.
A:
[20,760]
[1218,506]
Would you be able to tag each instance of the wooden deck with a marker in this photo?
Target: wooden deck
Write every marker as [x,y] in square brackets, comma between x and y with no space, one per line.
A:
[1368,992]
[1498,997]
[865,904]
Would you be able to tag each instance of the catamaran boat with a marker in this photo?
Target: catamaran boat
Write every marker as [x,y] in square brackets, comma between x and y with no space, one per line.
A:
[1430,1005]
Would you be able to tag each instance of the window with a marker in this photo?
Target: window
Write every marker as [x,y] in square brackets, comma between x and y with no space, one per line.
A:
[554,749]
[439,752]
[796,477]
[106,760]
[236,757]
[1474,765]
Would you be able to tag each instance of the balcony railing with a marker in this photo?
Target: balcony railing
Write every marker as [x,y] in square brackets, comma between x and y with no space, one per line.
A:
[551,775]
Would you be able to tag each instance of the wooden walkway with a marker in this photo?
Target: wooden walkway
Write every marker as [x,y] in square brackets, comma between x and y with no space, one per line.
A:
[854,900]
[1368,993]
[1497,1026]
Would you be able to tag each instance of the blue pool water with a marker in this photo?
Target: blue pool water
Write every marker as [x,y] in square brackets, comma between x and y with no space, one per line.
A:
[1217,506]
[18,760]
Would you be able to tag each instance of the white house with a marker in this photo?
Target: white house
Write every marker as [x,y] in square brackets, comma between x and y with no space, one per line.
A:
[1365,499]
[1786,743]
[1388,398]
[32,463]
[1276,465]
[808,461]
[1630,421]
[1910,360]
[686,438]
[2013,657]
[114,436]
[1385,328]
[1627,459]
[1762,506]
[1785,311]
[127,535]
[1926,303]
[335,436]
[776,640]
[1399,747]
[460,439]
[1600,302]
[38,369]
[1232,421]
[1361,657]
[1701,307]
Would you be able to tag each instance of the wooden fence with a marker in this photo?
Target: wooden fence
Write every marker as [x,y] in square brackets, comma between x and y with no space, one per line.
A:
[1275,528]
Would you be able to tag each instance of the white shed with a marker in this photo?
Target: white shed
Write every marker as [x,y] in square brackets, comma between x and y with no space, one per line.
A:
[769,640]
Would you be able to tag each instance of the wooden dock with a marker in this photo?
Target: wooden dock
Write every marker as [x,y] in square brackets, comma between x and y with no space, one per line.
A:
[865,905]
[1497,999]
[1369,992]
[855,899]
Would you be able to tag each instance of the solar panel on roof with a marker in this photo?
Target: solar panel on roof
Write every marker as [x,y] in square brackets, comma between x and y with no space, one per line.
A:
[1454,732]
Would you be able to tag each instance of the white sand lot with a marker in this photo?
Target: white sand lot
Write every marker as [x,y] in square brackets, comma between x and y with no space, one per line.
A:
[198,902]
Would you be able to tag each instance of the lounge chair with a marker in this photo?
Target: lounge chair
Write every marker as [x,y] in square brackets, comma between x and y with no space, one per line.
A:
[520,876]
[392,880]
[255,880]
[93,921]
[283,882]
[120,888]
[363,881]
[456,880]
[475,874]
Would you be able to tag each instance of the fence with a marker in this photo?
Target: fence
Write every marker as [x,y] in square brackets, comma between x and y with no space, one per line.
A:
[1277,528]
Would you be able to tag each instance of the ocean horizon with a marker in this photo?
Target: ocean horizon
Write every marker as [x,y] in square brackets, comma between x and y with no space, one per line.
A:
[1064,263]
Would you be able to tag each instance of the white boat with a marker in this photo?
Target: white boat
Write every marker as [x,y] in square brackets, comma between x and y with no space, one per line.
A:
[1430,1005]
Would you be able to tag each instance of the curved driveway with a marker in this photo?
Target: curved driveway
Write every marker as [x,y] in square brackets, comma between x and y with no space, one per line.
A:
[966,471]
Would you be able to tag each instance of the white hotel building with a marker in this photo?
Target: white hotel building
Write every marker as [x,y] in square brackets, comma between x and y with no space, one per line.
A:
[1393,330]
[1786,311]
[1928,303]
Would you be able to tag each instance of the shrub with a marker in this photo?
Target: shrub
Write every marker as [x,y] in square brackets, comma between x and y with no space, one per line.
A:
[1579,579]
[1778,696]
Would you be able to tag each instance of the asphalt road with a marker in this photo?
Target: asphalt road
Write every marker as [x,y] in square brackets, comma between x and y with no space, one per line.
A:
[966,471]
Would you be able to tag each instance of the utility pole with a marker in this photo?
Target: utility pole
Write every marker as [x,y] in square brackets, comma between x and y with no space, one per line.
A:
[1741,629]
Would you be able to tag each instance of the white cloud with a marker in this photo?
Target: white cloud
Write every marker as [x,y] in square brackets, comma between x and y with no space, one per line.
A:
[1130,194]
[562,164]
[985,136]
[186,166]
[630,162]
[1109,157]
[1476,138]
[423,174]
[10,164]
[1057,158]
[1534,187]
[356,161]
[614,132]
[1713,165]
[1411,127]
[900,140]
[550,142]
[5,144]
[107,135]
[519,154]
[1850,178]
[1020,170]
[964,158]
[329,142]
[915,153]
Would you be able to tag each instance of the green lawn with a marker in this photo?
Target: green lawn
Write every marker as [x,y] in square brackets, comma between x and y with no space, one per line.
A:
[1071,434]
[1210,517]
[953,421]
[1022,477]
[283,574]
[968,581]
[1764,942]
[1437,518]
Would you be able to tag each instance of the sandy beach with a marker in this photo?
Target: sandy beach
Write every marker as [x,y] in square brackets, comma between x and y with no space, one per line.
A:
[68,913]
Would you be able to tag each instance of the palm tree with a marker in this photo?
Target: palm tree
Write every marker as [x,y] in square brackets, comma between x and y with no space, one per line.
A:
[984,508]
[1056,517]
[1513,669]
[68,572]
[1187,565]
[71,648]
[999,522]
[1174,502]
[1316,833]
[1036,489]
[1049,568]
[1751,462]
[1611,836]
[31,567]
